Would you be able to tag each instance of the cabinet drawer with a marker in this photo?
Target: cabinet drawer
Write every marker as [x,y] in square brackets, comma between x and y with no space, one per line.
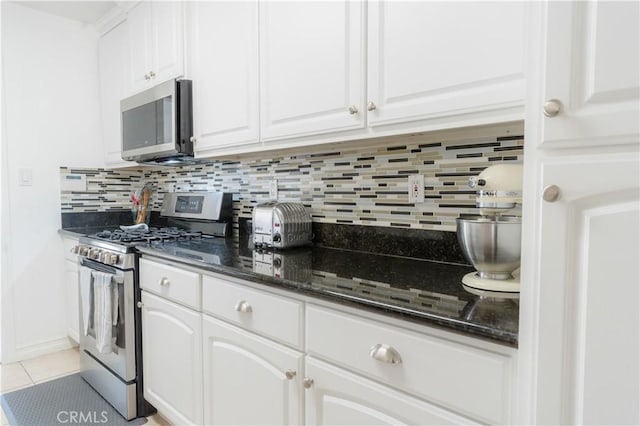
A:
[471,381]
[277,317]
[171,283]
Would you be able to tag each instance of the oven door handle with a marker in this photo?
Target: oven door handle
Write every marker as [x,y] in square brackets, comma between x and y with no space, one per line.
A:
[101,267]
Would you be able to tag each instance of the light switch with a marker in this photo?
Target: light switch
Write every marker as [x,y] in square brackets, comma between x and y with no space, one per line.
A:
[25,177]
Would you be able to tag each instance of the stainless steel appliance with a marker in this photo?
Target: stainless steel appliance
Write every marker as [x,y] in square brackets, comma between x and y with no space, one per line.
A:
[281,225]
[491,242]
[157,124]
[116,373]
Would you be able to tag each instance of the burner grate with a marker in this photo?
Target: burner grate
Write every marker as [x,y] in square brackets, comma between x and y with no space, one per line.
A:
[152,234]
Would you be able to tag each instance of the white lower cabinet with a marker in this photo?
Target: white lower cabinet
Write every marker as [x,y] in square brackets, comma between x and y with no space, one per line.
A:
[172,359]
[71,276]
[249,380]
[338,397]
[468,380]
[73,304]
[207,365]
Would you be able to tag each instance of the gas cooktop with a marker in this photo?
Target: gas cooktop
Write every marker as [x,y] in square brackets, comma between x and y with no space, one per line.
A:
[147,236]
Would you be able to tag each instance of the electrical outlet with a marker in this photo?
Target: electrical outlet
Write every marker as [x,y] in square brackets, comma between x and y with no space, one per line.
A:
[416,189]
[273,189]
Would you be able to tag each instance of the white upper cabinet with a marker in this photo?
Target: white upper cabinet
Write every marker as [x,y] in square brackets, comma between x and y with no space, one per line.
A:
[588,263]
[580,327]
[312,68]
[113,63]
[592,69]
[156,43]
[445,61]
[429,65]
[223,53]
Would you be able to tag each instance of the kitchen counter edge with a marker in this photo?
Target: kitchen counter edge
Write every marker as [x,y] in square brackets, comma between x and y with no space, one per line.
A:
[485,333]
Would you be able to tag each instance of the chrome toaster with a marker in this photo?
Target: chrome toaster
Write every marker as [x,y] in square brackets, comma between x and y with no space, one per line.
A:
[281,225]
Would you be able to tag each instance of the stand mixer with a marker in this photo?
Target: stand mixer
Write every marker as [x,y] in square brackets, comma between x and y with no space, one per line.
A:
[491,242]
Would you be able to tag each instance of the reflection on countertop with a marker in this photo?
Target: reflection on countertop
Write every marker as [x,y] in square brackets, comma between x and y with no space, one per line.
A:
[413,289]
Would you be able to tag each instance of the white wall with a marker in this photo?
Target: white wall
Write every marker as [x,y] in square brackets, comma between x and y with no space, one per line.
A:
[51,118]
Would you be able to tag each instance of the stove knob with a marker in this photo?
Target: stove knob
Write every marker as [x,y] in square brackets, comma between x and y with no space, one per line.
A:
[83,251]
[94,254]
[76,249]
[113,259]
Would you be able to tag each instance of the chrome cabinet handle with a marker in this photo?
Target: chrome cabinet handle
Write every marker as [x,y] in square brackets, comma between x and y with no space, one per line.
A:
[307,382]
[152,74]
[244,307]
[146,77]
[290,374]
[551,193]
[139,305]
[371,106]
[552,107]
[353,109]
[165,281]
[193,139]
[385,353]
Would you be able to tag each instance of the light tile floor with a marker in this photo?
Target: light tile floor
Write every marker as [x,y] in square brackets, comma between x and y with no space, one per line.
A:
[27,373]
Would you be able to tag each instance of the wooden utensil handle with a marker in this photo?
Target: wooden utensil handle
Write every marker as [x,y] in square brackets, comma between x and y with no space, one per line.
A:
[142,210]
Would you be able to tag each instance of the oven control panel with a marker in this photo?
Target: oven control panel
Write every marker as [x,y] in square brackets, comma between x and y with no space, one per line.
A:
[107,257]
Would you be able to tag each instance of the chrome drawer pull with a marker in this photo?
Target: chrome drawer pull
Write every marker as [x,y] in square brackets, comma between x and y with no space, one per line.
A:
[243,306]
[164,281]
[307,383]
[385,353]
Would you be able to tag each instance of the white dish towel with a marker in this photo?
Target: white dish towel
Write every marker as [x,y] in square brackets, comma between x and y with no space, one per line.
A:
[105,309]
[86,287]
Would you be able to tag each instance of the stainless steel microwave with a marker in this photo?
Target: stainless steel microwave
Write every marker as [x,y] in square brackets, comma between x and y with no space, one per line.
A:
[157,124]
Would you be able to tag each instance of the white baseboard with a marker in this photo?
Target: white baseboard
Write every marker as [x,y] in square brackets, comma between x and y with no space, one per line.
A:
[37,349]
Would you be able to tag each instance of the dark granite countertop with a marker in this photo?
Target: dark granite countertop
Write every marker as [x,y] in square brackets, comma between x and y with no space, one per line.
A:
[418,290]
[415,290]
[80,231]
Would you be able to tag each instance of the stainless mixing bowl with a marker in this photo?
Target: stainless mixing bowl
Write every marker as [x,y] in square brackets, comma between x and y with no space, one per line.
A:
[491,245]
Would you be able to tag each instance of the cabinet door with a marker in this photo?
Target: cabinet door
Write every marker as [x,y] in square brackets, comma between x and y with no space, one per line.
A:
[73,303]
[172,359]
[114,86]
[446,61]
[167,41]
[337,397]
[139,23]
[312,67]
[245,378]
[588,343]
[592,68]
[224,56]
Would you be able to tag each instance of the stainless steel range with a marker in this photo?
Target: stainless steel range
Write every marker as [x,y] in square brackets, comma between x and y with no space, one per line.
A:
[110,323]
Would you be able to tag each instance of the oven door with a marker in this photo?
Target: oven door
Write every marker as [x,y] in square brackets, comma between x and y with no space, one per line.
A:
[121,359]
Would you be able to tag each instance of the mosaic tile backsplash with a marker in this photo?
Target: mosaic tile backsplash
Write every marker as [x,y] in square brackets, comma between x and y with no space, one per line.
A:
[359,186]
